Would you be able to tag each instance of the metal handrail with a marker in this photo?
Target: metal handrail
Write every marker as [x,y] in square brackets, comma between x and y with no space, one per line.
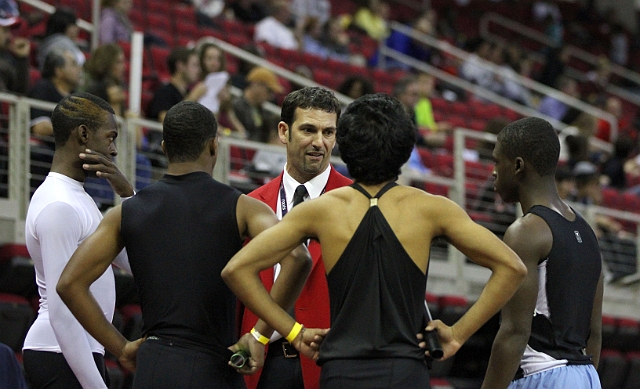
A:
[491,17]
[524,81]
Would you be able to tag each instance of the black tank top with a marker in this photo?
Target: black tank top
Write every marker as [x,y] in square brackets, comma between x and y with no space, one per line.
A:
[568,278]
[376,294]
[179,234]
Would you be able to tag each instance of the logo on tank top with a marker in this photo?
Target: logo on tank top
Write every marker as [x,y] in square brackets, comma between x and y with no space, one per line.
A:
[578,237]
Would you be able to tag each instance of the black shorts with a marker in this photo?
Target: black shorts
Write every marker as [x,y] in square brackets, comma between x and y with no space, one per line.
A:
[386,373]
[162,364]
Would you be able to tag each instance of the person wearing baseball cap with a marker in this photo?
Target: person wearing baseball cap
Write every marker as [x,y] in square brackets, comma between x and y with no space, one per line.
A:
[14,52]
[262,85]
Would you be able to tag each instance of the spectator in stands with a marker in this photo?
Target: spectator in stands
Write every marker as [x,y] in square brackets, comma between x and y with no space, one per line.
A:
[185,72]
[61,33]
[485,148]
[14,53]
[425,119]
[565,182]
[550,331]
[115,25]
[261,87]
[613,168]
[554,66]
[472,68]
[407,45]
[239,79]
[594,88]
[249,11]
[613,105]
[356,86]
[274,28]
[105,76]
[213,62]
[337,41]
[325,41]
[407,90]
[60,77]
[584,125]
[373,19]
[555,108]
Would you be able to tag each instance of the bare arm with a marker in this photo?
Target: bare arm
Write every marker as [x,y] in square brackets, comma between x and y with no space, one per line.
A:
[595,336]
[86,265]
[264,251]
[486,250]
[531,241]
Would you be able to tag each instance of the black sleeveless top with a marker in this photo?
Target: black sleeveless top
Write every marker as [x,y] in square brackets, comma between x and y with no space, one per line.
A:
[568,278]
[179,234]
[376,294]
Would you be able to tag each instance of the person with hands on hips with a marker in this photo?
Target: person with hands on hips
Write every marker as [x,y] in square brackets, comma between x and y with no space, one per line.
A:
[375,237]
[179,233]
[57,352]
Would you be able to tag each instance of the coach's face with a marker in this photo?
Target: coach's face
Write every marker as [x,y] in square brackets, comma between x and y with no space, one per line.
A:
[309,142]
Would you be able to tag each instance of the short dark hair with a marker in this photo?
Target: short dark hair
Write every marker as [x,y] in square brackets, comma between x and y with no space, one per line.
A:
[178,54]
[75,110]
[186,128]
[375,136]
[534,140]
[60,20]
[55,59]
[308,97]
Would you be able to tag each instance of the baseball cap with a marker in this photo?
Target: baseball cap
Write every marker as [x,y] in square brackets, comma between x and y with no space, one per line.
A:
[265,76]
[9,14]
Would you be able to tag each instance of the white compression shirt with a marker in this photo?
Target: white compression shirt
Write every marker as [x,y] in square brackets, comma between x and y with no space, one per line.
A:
[60,216]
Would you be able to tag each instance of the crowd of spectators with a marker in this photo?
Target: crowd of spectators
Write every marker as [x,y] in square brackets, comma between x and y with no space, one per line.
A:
[199,72]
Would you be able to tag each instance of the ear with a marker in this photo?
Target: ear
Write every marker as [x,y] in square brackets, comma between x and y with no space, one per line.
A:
[519,164]
[83,134]
[283,132]
[164,149]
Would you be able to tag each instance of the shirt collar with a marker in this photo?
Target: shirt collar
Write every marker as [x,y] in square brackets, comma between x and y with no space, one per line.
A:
[315,186]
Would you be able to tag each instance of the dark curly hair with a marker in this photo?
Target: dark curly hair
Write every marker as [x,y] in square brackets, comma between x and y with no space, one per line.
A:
[534,140]
[376,137]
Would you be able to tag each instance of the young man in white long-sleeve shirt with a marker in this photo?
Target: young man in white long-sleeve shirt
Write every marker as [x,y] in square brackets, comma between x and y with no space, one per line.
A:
[58,353]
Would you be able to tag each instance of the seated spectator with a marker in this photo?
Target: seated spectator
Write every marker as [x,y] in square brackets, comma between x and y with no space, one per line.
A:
[584,125]
[612,105]
[485,147]
[60,77]
[14,53]
[185,71]
[554,65]
[473,67]
[407,45]
[594,89]
[61,33]
[373,19]
[555,108]
[239,79]
[115,25]
[105,76]
[262,84]
[336,40]
[213,63]
[184,67]
[249,11]
[613,168]
[565,182]
[424,112]
[356,86]
[274,28]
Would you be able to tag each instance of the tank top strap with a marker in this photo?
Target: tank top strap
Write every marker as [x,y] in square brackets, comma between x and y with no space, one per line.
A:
[374,200]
